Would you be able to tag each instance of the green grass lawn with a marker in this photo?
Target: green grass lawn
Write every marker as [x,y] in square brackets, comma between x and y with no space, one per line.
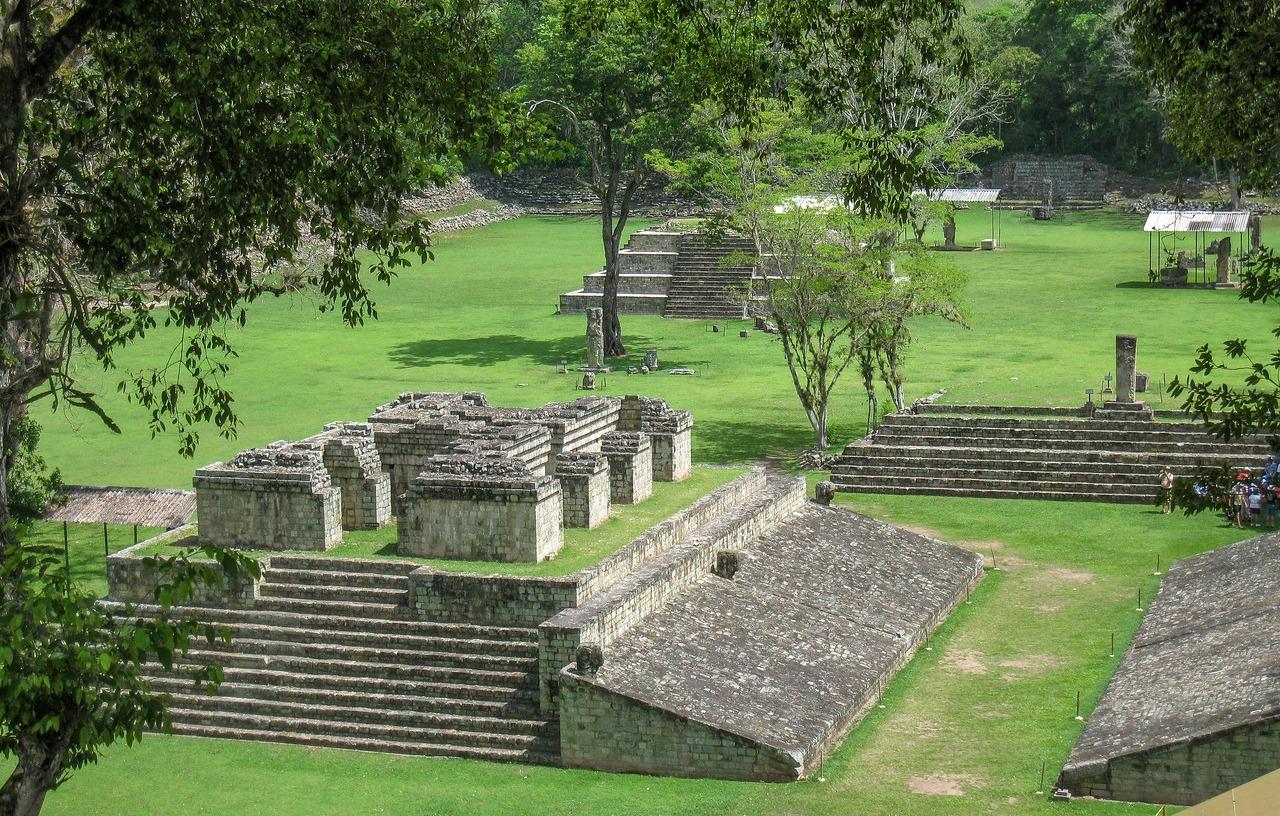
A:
[85,553]
[582,548]
[963,729]
[481,317]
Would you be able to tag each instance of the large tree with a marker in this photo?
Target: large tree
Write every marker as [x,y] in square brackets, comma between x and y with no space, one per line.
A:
[1213,62]
[161,161]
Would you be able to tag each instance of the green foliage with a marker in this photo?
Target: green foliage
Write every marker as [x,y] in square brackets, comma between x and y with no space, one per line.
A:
[31,485]
[1074,90]
[1213,62]
[71,673]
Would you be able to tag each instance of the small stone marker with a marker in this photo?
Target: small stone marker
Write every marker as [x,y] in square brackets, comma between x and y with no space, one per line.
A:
[588,659]
[651,359]
[715,327]
[589,381]
[744,333]
[726,565]
[824,492]
[684,371]
[1224,264]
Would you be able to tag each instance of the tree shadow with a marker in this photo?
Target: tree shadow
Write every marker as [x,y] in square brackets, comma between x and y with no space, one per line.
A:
[480,352]
[721,442]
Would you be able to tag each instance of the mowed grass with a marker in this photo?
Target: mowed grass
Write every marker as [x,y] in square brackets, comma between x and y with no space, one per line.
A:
[582,548]
[84,552]
[1044,311]
[963,729]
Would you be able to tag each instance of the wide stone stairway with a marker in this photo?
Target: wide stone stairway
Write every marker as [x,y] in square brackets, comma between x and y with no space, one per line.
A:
[702,286]
[329,656]
[1003,456]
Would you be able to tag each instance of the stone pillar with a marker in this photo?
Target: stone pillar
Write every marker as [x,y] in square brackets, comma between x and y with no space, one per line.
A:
[949,231]
[630,466]
[670,434]
[1224,261]
[584,488]
[595,338]
[1126,367]
[1255,233]
[651,359]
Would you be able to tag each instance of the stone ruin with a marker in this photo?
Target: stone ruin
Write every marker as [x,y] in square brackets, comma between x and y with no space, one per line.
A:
[1126,405]
[465,480]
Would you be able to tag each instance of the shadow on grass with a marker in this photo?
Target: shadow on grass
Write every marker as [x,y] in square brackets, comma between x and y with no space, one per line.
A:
[732,442]
[500,348]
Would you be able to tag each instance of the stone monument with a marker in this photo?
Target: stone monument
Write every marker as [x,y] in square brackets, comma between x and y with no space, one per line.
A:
[949,232]
[1126,405]
[1224,264]
[651,359]
[1255,233]
[595,340]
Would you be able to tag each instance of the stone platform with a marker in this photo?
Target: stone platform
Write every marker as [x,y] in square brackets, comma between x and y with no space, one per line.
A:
[1194,708]
[1013,452]
[817,607]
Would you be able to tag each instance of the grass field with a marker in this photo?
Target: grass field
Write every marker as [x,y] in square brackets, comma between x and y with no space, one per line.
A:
[481,317]
[963,729]
[582,548]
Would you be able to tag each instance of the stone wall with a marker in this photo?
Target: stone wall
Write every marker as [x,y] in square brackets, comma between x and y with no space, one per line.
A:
[584,487]
[1185,773]
[670,432]
[605,731]
[274,498]
[352,461]
[480,508]
[630,466]
[497,600]
[1022,178]
[132,578]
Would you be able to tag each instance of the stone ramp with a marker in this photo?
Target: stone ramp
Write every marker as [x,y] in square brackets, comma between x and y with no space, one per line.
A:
[1010,456]
[760,675]
[1194,708]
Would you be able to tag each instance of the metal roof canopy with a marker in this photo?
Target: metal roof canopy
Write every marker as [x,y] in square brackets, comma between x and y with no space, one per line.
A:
[1196,221]
[139,506]
[966,195]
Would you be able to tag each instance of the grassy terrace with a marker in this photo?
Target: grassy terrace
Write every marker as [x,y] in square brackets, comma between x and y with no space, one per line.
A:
[582,548]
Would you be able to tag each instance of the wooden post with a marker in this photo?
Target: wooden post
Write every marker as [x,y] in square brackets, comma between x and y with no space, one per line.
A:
[105,549]
[66,550]
[135,534]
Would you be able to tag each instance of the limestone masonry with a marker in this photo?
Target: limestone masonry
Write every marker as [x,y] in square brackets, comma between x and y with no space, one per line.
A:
[1194,708]
[740,638]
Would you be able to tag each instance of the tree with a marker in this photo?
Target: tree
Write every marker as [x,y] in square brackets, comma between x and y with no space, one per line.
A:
[827,281]
[1222,96]
[619,87]
[165,150]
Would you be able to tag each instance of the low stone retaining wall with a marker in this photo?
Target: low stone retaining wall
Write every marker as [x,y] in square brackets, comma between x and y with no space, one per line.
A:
[132,578]
[498,600]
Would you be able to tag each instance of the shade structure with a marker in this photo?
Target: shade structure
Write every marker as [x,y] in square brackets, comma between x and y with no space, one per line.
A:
[962,195]
[1197,221]
[140,506]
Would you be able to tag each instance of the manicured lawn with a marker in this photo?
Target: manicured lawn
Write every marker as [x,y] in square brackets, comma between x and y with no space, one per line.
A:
[963,730]
[84,552]
[582,548]
[481,317]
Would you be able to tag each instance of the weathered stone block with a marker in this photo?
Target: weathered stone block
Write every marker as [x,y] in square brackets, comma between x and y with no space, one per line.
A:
[584,488]
[630,466]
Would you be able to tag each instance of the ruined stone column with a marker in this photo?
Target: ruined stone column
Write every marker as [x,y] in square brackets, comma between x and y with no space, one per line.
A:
[1126,367]
[595,338]
[1224,261]
[1255,233]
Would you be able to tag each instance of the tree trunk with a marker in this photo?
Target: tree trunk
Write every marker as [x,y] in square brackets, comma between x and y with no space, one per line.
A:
[39,766]
[609,301]
[1235,189]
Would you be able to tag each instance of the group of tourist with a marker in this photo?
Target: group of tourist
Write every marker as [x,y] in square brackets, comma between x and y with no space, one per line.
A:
[1253,499]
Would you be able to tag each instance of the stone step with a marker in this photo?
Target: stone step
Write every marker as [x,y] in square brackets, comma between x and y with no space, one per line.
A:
[853,461]
[1145,478]
[380,566]
[221,718]
[1158,459]
[894,433]
[1059,423]
[315,577]
[380,654]
[1068,444]
[1096,484]
[342,593]
[226,702]
[515,697]
[531,755]
[383,641]
[371,626]
[330,666]
[1089,495]
[311,606]
[516,706]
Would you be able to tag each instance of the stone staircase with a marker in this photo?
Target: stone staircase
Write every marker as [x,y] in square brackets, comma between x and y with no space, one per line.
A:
[329,656]
[1000,456]
[702,286]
